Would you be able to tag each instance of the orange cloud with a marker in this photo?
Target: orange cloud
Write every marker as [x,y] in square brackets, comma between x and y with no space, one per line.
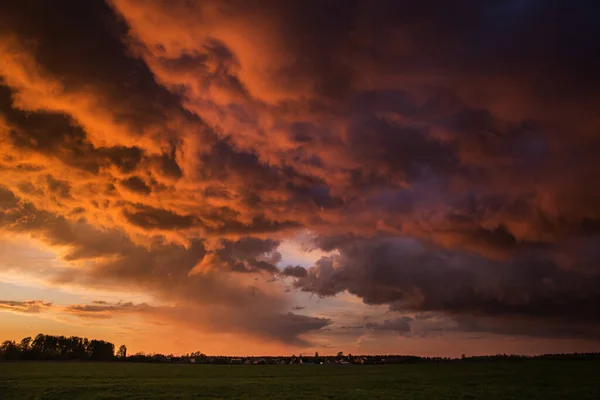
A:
[25,307]
[170,147]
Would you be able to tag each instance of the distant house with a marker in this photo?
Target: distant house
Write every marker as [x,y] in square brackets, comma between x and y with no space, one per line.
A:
[192,361]
[236,361]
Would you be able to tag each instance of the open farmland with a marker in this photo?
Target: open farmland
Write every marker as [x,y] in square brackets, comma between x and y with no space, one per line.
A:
[500,380]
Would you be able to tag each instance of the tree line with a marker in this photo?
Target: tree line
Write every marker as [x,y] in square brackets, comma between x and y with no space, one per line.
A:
[50,347]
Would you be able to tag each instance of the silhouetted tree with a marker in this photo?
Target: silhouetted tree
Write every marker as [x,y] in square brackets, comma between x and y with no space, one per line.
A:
[10,350]
[25,344]
[100,350]
[25,349]
[49,347]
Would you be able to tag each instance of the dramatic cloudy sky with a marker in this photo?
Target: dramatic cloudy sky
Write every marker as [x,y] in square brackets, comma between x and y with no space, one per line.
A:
[264,177]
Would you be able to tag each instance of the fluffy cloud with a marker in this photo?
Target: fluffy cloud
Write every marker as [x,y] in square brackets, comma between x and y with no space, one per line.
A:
[447,153]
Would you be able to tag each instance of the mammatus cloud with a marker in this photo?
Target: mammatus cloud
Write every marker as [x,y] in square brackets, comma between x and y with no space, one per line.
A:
[447,153]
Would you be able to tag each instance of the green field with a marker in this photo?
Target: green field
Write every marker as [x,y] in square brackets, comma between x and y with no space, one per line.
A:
[500,380]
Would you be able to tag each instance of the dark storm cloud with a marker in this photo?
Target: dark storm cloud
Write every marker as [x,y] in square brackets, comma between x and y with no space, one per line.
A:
[156,218]
[448,152]
[81,43]
[294,271]
[136,184]
[248,255]
[285,327]
[163,270]
[58,135]
[7,198]
[263,266]
[515,326]
[527,290]
[393,148]
[400,325]
[289,326]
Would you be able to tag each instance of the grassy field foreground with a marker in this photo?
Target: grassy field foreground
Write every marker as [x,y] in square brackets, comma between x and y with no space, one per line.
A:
[520,380]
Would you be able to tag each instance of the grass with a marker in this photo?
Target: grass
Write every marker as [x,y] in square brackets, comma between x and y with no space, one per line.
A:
[500,380]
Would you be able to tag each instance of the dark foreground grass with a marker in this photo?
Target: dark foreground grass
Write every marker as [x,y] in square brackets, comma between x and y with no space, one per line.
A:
[500,380]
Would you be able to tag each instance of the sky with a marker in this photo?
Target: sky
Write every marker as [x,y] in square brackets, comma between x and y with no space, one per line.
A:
[283,177]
